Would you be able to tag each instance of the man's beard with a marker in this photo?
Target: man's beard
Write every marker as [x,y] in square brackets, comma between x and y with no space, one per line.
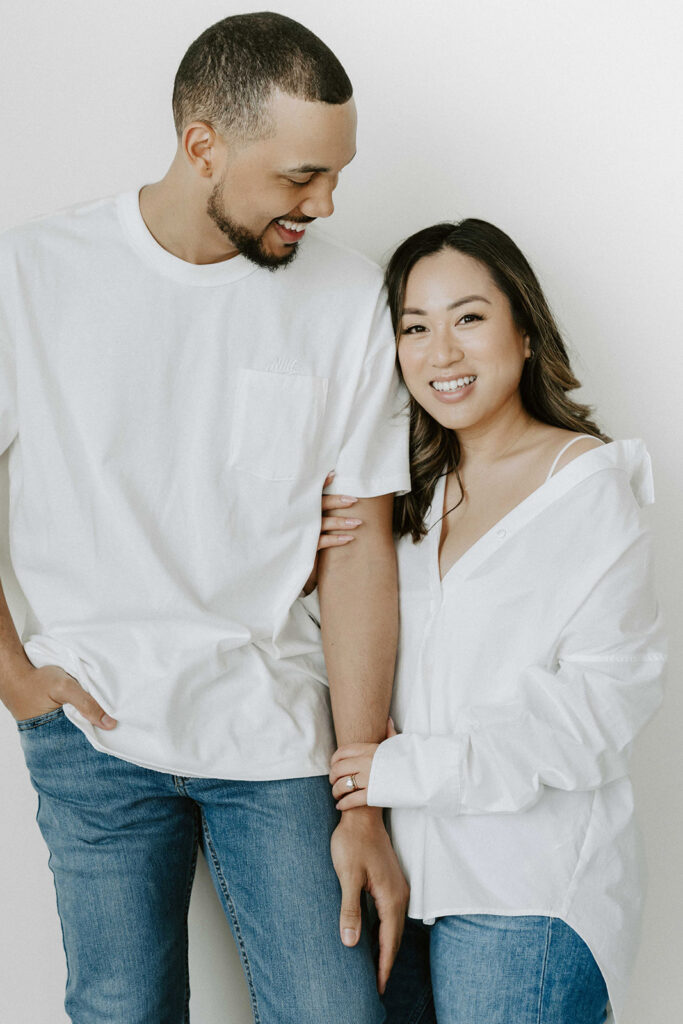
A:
[247,243]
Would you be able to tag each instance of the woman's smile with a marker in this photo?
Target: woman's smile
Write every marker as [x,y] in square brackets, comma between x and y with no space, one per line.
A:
[453,389]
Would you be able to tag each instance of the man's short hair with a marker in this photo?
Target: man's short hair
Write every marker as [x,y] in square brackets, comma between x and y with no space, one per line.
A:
[229,73]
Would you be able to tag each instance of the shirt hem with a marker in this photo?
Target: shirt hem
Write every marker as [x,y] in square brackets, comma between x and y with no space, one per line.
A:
[528,912]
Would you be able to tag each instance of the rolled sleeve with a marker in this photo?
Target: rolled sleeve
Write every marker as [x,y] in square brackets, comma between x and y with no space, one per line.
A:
[418,771]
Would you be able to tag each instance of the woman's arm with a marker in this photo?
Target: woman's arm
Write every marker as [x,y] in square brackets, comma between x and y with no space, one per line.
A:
[334,527]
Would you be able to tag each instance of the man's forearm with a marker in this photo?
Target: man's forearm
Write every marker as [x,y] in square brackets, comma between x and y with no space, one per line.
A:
[13,660]
[359,618]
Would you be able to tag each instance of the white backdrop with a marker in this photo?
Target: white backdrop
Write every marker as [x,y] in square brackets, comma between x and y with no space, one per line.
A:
[558,121]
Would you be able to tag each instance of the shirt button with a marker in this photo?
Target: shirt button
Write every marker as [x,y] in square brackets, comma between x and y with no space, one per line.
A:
[501,533]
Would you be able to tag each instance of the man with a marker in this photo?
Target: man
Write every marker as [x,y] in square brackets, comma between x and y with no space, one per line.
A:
[173,407]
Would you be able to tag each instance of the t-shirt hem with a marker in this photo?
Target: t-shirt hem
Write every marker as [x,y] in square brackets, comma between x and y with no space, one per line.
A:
[297,769]
[361,487]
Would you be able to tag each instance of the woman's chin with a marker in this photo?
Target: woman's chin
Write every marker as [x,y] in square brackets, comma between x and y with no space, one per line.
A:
[452,417]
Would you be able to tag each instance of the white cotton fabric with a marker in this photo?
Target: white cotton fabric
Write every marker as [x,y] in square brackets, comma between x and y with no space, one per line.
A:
[171,426]
[522,680]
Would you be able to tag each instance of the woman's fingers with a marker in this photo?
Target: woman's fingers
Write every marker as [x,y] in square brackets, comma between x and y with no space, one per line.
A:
[339,523]
[350,765]
[352,750]
[331,502]
[341,787]
[344,772]
[333,540]
[357,799]
[332,531]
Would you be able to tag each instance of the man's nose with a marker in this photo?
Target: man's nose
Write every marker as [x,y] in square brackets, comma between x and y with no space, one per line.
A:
[318,200]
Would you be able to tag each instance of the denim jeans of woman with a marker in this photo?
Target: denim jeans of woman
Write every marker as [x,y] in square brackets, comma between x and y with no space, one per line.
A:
[488,969]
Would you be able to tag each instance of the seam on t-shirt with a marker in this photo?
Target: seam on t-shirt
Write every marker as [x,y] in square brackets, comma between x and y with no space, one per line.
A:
[601,658]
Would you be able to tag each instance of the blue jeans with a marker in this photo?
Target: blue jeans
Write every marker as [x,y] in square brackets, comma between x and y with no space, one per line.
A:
[123,844]
[486,969]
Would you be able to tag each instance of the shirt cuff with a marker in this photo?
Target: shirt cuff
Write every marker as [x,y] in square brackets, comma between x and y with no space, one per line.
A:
[418,771]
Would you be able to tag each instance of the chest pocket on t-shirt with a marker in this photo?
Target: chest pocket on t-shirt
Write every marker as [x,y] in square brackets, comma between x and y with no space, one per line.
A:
[275,423]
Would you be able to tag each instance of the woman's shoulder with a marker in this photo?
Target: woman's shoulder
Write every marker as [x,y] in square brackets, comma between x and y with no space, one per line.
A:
[623,467]
[563,446]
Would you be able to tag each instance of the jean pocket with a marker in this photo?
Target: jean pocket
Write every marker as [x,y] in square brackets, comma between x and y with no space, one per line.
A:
[275,423]
[35,723]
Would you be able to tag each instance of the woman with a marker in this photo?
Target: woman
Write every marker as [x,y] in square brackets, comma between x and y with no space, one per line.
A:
[530,655]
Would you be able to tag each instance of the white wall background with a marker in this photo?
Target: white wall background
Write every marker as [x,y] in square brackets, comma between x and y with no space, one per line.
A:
[561,123]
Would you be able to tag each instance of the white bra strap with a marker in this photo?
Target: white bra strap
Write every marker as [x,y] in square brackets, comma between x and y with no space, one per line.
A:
[562,450]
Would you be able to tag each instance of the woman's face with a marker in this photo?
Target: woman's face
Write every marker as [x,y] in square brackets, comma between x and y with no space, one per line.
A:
[460,352]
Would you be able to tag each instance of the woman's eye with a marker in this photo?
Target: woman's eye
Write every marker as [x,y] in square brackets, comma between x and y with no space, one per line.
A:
[413,329]
[293,181]
[470,318]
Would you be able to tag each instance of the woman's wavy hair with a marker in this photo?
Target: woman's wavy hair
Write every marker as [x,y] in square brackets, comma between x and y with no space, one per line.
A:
[546,378]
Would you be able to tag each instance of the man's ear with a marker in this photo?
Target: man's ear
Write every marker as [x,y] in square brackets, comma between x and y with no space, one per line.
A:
[199,145]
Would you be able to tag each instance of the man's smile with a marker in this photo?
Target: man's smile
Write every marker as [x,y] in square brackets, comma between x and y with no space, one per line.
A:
[291,231]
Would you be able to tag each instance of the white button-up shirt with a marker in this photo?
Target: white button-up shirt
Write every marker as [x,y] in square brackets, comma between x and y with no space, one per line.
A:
[522,680]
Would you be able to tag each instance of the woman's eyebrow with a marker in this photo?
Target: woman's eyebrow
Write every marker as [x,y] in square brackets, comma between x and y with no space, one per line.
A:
[451,305]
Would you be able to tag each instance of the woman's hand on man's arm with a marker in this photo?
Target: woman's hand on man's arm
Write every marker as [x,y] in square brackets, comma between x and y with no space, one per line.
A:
[334,527]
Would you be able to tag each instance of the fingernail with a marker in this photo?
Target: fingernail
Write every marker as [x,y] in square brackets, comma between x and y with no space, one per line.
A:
[346,499]
[348,937]
[352,522]
[107,721]
[345,536]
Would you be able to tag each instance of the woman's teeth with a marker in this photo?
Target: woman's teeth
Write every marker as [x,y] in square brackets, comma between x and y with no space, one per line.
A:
[291,225]
[452,385]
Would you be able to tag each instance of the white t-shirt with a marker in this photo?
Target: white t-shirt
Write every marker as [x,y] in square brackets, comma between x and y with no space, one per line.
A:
[522,680]
[171,426]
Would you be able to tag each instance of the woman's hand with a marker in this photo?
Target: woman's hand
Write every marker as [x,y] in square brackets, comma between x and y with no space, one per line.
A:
[332,527]
[350,774]
[354,762]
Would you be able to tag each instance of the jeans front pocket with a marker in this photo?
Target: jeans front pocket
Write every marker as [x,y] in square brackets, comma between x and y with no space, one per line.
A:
[35,723]
[275,423]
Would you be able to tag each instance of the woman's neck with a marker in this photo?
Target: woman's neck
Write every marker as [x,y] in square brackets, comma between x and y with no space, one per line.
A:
[488,442]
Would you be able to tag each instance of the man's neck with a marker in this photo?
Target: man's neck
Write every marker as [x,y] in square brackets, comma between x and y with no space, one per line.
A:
[175,215]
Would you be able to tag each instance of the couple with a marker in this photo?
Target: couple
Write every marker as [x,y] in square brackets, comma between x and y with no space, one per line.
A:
[173,400]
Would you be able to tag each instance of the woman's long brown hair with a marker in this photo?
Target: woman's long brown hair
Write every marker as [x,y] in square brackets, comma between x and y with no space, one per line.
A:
[547,374]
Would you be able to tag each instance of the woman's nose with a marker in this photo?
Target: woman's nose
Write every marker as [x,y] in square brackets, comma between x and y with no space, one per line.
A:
[446,348]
